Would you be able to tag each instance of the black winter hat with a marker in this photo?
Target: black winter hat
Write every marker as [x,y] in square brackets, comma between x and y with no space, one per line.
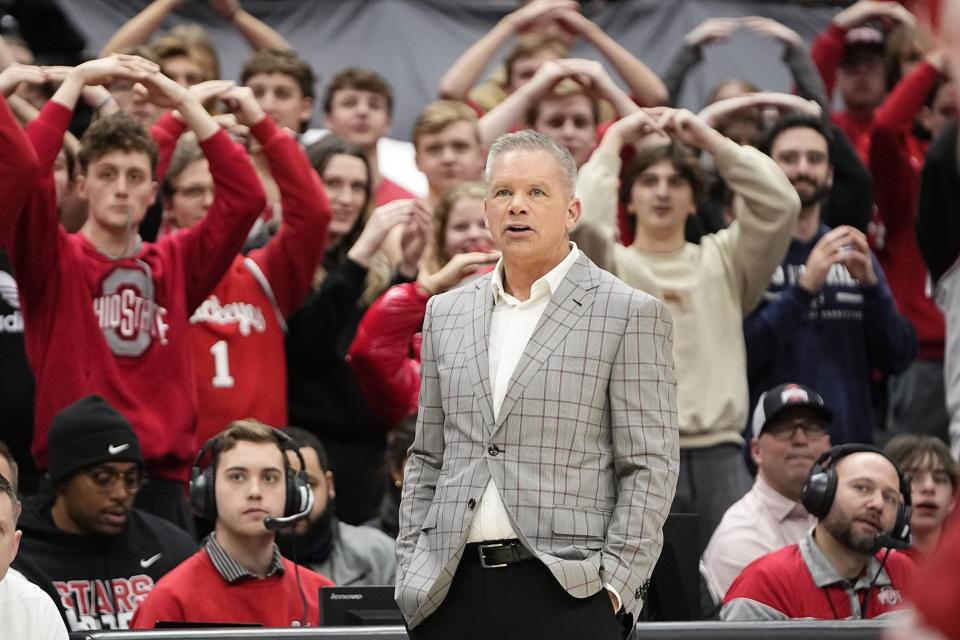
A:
[89,432]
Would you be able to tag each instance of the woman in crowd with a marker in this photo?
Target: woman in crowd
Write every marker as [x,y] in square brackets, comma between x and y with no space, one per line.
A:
[323,393]
[385,353]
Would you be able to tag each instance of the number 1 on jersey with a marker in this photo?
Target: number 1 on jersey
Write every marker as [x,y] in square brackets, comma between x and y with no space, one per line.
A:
[221,363]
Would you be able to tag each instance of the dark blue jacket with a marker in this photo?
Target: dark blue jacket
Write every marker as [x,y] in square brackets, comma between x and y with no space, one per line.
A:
[828,342]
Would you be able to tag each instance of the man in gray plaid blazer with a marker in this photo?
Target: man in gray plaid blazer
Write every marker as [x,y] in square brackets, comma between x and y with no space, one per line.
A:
[546,451]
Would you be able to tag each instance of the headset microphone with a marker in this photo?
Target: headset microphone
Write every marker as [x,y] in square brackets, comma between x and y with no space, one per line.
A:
[885,541]
[274,524]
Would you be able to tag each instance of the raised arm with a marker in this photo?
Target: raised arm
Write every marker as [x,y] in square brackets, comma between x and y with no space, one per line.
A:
[257,33]
[290,259]
[828,47]
[808,81]
[460,78]
[138,29]
[710,31]
[645,86]
[209,246]
[508,113]
[18,169]
[588,73]
[756,242]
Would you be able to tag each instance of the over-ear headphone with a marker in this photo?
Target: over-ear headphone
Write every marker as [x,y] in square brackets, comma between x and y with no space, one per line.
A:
[821,488]
[203,497]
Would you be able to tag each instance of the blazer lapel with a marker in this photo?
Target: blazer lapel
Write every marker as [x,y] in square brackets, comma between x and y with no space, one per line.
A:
[477,354]
[567,305]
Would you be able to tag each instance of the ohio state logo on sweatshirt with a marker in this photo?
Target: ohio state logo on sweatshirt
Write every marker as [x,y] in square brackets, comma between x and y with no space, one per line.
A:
[127,313]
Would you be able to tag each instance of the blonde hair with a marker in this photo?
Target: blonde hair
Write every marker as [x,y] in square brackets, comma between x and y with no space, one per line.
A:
[439,115]
[437,255]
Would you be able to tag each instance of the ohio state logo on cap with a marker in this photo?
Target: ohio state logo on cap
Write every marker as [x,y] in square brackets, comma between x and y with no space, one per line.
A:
[793,393]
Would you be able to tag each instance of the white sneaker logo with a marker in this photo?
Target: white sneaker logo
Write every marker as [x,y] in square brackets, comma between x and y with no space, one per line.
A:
[115,449]
[149,561]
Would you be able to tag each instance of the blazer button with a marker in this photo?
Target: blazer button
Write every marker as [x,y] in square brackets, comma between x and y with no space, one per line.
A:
[471,503]
[493,450]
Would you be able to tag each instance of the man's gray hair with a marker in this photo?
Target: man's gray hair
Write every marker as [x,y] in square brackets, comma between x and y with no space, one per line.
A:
[530,140]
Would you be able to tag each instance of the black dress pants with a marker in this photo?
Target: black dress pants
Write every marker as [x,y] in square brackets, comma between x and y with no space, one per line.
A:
[522,600]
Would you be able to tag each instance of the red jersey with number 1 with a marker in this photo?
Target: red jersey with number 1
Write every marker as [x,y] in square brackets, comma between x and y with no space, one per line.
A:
[238,331]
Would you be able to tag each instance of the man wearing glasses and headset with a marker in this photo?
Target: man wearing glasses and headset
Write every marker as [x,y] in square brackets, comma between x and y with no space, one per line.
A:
[83,542]
[789,432]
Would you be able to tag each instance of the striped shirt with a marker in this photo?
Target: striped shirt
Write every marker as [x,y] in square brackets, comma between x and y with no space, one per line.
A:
[230,570]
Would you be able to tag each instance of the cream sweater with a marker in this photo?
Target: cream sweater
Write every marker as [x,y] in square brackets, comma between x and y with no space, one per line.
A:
[709,287]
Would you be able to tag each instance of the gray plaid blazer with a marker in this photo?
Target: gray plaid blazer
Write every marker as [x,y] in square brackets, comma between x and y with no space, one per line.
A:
[587,437]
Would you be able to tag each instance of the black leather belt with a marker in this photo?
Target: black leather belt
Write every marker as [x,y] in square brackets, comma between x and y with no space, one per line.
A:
[496,554]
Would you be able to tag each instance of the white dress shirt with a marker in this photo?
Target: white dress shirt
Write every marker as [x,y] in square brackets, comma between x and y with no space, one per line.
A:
[760,522]
[26,611]
[511,326]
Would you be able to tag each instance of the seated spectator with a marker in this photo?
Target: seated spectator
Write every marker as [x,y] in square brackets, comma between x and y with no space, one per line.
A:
[84,543]
[399,441]
[239,576]
[238,331]
[836,572]
[25,610]
[385,353]
[561,101]
[789,432]
[348,555]
[447,142]
[117,325]
[708,288]
[932,472]
[358,108]
[827,318]
[554,26]
[323,393]
[850,57]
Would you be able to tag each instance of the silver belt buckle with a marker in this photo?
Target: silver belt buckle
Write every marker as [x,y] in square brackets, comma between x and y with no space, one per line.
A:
[483,560]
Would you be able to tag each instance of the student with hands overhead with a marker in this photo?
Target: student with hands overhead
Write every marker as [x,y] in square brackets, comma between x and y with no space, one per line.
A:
[105,312]
[561,20]
[708,287]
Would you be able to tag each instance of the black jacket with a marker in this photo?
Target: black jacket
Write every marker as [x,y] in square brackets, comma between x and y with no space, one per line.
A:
[119,570]
[938,224]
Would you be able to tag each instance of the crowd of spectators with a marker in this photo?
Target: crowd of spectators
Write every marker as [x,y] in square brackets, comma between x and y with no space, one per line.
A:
[241,279]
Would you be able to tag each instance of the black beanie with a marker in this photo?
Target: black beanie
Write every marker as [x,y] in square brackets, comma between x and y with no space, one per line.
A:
[89,432]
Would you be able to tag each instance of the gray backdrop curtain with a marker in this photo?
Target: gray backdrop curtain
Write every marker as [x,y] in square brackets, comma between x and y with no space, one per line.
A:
[412,42]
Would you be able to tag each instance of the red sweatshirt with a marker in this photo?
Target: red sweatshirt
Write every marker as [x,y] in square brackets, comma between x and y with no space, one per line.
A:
[18,168]
[238,331]
[385,353]
[826,51]
[195,592]
[895,162]
[118,327]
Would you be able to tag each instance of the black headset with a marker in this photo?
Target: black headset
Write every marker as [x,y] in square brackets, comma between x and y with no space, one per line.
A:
[821,487]
[299,496]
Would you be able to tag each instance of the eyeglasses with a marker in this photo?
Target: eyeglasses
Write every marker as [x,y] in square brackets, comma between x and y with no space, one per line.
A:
[786,430]
[105,478]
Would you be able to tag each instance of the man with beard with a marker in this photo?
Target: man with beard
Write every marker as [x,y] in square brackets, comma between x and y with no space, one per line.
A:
[789,432]
[828,316]
[86,545]
[837,571]
[348,555]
